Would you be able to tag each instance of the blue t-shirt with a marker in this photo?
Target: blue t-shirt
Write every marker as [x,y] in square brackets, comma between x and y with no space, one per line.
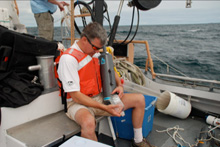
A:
[40,6]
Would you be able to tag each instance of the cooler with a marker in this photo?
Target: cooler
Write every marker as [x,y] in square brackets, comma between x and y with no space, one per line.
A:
[123,125]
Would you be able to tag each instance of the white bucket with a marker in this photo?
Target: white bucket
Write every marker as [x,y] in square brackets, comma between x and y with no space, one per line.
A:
[169,103]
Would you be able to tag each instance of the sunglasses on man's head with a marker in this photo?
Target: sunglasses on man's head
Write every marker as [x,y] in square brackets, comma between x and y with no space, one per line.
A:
[93,46]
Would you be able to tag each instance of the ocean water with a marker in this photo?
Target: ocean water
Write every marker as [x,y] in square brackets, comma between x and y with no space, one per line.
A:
[192,49]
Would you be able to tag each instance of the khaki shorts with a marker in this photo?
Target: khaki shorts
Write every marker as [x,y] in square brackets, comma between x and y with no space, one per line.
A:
[45,23]
[74,107]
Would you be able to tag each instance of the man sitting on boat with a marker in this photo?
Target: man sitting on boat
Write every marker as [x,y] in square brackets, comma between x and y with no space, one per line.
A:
[79,72]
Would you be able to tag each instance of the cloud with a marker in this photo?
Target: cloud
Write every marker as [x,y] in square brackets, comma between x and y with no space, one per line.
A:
[168,12]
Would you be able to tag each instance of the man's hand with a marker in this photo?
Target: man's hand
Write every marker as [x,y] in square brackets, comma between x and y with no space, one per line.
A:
[62,4]
[59,4]
[119,90]
[114,110]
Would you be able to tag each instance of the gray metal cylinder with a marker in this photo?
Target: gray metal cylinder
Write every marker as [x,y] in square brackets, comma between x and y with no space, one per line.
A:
[107,75]
[46,71]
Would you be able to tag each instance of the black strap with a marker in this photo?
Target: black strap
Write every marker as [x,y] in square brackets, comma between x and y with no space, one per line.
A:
[63,95]
[65,103]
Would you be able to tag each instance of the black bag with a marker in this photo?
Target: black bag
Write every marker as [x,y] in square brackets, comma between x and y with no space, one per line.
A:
[25,48]
[15,90]
[5,55]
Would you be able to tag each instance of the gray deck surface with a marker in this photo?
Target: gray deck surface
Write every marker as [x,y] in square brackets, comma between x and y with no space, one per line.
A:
[42,130]
[191,126]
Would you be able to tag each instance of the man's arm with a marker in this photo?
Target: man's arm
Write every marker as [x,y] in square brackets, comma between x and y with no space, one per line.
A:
[59,4]
[118,81]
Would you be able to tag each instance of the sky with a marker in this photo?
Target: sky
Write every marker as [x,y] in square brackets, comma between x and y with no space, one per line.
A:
[167,12]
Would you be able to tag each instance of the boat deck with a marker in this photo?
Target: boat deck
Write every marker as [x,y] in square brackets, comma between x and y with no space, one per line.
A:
[192,128]
[49,130]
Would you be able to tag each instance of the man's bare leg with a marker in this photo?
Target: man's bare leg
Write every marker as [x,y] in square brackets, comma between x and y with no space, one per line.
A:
[137,102]
[87,122]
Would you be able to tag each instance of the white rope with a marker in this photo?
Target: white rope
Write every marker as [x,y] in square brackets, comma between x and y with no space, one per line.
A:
[176,135]
[129,71]
[66,25]
[66,17]
[210,134]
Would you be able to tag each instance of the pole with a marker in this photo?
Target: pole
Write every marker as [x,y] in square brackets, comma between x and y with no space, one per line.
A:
[115,25]
[72,23]
[99,11]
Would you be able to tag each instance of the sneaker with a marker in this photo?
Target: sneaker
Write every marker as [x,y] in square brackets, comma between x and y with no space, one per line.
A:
[144,143]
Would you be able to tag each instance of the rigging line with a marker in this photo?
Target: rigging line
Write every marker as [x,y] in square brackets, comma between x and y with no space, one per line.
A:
[108,20]
[164,62]
[90,11]
[130,27]
[137,26]
[65,15]
[169,65]
[65,18]
[138,15]
[55,21]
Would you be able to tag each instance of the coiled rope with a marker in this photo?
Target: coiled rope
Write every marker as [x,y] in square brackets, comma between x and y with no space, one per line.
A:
[129,71]
[176,136]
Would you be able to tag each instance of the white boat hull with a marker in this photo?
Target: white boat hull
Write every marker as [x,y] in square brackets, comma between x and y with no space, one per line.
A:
[200,97]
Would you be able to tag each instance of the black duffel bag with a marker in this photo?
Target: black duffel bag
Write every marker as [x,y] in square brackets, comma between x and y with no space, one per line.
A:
[18,89]
[23,49]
